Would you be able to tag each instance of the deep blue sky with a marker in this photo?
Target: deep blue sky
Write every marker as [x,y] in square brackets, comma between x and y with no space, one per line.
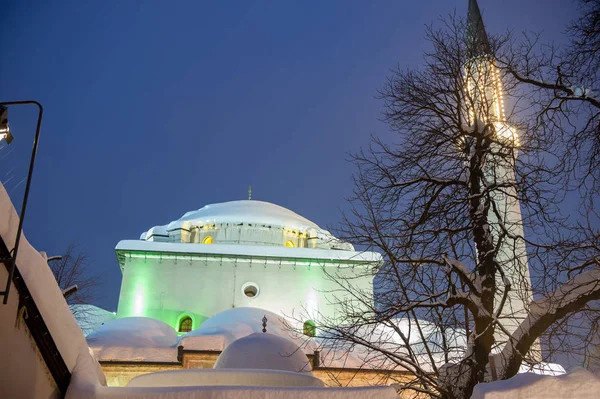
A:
[155,108]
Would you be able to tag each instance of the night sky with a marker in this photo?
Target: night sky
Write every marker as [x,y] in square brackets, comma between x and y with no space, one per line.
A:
[153,108]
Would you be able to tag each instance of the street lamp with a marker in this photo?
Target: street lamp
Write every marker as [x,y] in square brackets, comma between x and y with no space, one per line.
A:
[4,128]
[5,134]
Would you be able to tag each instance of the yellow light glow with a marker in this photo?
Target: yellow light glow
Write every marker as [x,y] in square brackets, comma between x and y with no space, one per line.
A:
[504,131]
[478,94]
[290,244]
[207,240]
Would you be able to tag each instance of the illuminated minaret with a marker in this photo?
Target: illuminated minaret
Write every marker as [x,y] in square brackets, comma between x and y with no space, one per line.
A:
[485,107]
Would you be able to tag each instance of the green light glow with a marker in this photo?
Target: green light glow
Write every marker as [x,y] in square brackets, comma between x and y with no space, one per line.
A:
[138,306]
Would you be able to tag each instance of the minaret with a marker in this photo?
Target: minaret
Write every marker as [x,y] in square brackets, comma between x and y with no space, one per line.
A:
[485,106]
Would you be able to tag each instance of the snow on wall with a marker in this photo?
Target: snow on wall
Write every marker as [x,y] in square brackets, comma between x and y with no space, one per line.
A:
[47,295]
[81,390]
[580,384]
[213,377]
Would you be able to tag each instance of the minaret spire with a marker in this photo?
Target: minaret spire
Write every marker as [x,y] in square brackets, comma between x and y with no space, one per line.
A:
[478,43]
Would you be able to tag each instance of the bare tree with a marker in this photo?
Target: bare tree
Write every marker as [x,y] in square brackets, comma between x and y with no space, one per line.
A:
[464,202]
[71,269]
[564,85]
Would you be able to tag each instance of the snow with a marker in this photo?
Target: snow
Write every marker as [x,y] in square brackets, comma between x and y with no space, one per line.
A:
[583,285]
[90,317]
[264,351]
[47,295]
[580,384]
[79,391]
[225,327]
[213,377]
[543,368]
[253,214]
[246,211]
[393,341]
[134,339]
[247,250]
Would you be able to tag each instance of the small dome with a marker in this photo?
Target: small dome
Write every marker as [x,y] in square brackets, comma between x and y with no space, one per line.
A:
[233,324]
[264,351]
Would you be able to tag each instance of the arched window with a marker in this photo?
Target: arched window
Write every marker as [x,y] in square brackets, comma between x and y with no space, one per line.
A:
[290,244]
[185,325]
[310,328]
[207,240]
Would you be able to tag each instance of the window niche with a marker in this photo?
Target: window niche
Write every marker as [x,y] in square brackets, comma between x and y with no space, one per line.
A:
[185,324]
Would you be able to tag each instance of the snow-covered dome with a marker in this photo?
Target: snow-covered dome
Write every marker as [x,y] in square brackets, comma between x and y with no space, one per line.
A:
[247,211]
[264,351]
[245,222]
[230,325]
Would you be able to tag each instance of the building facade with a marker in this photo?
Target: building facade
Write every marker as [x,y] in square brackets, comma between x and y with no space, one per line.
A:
[237,254]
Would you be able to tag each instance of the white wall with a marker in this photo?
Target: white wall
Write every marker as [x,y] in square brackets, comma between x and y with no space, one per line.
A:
[208,285]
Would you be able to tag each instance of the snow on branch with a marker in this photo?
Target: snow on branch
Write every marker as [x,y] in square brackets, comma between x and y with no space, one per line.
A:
[568,298]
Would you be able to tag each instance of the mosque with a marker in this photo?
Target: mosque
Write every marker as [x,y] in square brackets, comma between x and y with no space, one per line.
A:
[230,255]
[235,289]
[193,287]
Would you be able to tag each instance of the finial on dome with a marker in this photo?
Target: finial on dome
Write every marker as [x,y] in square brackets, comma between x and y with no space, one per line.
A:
[249,192]
[264,324]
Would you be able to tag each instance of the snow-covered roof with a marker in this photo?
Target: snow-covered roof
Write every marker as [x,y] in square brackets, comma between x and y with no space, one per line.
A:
[247,250]
[134,339]
[48,297]
[580,383]
[245,211]
[225,327]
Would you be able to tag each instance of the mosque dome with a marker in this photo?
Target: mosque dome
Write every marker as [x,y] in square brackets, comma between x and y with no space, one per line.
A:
[264,351]
[248,211]
[245,222]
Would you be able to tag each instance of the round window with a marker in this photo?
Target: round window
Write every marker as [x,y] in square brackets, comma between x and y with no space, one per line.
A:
[250,290]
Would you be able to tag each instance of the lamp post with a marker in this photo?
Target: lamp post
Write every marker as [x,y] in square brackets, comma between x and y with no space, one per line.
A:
[6,135]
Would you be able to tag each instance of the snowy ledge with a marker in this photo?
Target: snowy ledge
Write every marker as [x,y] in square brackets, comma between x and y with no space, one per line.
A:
[257,251]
